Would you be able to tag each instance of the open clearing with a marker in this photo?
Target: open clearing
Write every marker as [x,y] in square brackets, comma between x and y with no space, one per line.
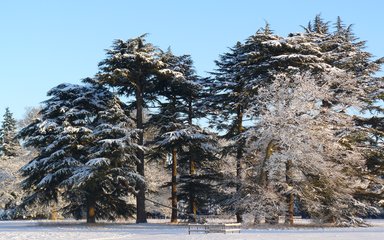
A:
[78,230]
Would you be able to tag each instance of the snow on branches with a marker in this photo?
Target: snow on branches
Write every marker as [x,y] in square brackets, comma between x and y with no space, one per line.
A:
[301,147]
[85,145]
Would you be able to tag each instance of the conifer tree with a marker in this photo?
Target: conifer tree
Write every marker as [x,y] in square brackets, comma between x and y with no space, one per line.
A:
[9,145]
[186,143]
[344,50]
[86,149]
[228,101]
[133,67]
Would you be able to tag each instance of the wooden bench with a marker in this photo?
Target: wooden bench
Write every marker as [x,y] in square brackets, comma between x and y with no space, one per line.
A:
[214,228]
[193,227]
[232,227]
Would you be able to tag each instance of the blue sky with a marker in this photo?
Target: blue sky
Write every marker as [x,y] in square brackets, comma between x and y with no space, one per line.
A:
[47,42]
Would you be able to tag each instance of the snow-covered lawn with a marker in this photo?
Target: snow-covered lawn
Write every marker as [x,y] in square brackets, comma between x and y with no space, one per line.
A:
[49,230]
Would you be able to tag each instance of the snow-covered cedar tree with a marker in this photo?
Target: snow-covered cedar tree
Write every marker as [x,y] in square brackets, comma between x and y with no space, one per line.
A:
[86,153]
[196,188]
[9,144]
[370,136]
[226,101]
[132,67]
[299,151]
[186,143]
[346,51]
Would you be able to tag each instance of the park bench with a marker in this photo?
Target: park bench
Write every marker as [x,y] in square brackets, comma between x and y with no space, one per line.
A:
[214,228]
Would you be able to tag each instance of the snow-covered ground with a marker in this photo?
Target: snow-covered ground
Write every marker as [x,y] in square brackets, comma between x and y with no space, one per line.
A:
[49,230]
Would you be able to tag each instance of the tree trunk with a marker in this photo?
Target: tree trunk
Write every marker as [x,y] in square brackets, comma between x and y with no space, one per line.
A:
[140,198]
[192,199]
[192,168]
[53,214]
[91,212]
[263,181]
[289,215]
[290,196]
[239,156]
[174,190]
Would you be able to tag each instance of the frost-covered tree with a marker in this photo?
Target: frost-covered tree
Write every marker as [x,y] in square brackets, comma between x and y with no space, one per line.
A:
[9,144]
[301,151]
[86,153]
[132,67]
[31,114]
[11,193]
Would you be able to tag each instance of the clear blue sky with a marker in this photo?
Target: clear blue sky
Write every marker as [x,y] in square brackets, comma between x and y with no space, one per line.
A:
[47,42]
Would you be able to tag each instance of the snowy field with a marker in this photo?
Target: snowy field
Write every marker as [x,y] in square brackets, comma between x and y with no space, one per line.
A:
[49,230]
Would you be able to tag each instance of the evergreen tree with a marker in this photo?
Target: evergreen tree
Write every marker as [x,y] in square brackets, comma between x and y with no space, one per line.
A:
[133,67]
[86,153]
[185,142]
[9,145]
[227,99]
[130,67]
[370,137]
[344,50]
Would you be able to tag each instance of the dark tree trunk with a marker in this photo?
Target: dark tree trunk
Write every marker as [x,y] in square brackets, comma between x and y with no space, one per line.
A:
[192,168]
[140,198]
[290,196]
[174,190]
[239,156]
[192,200]
[289,215]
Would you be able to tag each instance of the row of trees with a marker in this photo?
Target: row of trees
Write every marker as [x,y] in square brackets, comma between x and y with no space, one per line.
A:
[303,145]
[281,109]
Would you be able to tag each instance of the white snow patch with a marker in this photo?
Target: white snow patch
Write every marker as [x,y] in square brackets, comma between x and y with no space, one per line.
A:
[70,229]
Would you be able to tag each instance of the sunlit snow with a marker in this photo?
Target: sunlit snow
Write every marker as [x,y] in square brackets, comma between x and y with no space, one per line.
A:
[69,229]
